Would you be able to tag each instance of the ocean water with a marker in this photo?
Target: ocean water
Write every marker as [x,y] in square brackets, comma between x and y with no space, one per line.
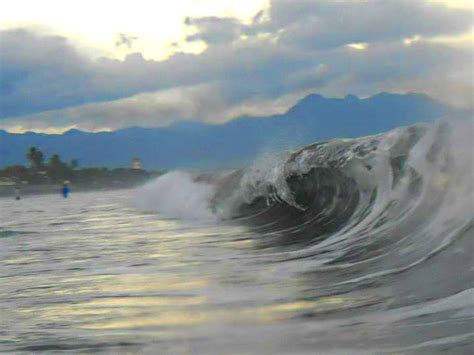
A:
[361,246]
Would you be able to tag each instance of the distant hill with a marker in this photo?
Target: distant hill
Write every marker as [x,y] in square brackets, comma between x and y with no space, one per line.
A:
[234,143]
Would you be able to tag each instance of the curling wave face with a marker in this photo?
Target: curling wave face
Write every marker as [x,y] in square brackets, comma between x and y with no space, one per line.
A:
[352,193]
[387,217]
[350,190]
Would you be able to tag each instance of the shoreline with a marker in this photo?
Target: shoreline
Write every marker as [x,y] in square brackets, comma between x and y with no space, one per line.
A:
[52,189]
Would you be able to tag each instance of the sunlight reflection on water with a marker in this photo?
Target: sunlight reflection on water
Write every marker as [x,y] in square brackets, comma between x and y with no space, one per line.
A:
[104,277]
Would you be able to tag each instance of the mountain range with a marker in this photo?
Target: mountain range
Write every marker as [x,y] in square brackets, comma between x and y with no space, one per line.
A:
[235,143]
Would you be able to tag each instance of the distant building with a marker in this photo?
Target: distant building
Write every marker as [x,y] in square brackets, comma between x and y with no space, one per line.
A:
[136,164]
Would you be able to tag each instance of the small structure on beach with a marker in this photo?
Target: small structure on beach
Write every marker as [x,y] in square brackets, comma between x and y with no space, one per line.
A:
[136,164]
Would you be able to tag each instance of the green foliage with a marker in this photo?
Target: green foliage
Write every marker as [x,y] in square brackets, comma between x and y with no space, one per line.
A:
[56,171]
[36,157]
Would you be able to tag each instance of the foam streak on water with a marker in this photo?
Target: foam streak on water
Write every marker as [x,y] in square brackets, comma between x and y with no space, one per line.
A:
[350,246]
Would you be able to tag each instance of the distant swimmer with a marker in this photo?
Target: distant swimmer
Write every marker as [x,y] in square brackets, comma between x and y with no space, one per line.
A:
[65,189]
[17,193]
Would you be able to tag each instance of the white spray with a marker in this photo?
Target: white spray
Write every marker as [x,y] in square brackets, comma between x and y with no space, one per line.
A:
[176,195]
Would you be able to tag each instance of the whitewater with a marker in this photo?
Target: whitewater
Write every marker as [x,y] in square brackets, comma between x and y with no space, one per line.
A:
[350,246]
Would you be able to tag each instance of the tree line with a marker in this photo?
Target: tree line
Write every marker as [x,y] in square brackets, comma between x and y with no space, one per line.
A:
[54,168]
[41,170]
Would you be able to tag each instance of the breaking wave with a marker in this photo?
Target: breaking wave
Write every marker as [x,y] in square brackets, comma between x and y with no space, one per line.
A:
[409,180]
[388,217]
[409,191]
[395,198]
[177,195]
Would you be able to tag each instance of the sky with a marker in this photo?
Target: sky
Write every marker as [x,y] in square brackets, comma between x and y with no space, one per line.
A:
[106,65]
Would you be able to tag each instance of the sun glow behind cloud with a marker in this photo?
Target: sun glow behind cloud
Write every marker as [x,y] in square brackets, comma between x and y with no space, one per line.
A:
[456,4]
[358,46]
[466,39]
[158,26]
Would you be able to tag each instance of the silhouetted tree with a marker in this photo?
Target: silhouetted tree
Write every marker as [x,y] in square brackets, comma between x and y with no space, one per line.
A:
[36,157]
[57,169]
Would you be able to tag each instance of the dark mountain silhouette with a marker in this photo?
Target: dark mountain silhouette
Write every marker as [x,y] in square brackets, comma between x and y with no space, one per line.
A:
[235,143]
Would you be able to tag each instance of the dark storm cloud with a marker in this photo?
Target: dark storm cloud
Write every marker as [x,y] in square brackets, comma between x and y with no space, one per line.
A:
[43,72]
[294,47]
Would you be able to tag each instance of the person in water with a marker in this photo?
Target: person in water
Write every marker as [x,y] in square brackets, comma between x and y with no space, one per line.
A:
[65,189]
[17,193]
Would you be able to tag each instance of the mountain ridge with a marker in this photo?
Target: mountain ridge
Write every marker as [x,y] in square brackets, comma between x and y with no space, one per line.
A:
[194,144]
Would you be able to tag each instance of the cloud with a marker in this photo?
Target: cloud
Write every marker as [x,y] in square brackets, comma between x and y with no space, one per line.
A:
[41,72]
[326,24]
[126,40]
[214,30]
[295,47]
[149,110]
